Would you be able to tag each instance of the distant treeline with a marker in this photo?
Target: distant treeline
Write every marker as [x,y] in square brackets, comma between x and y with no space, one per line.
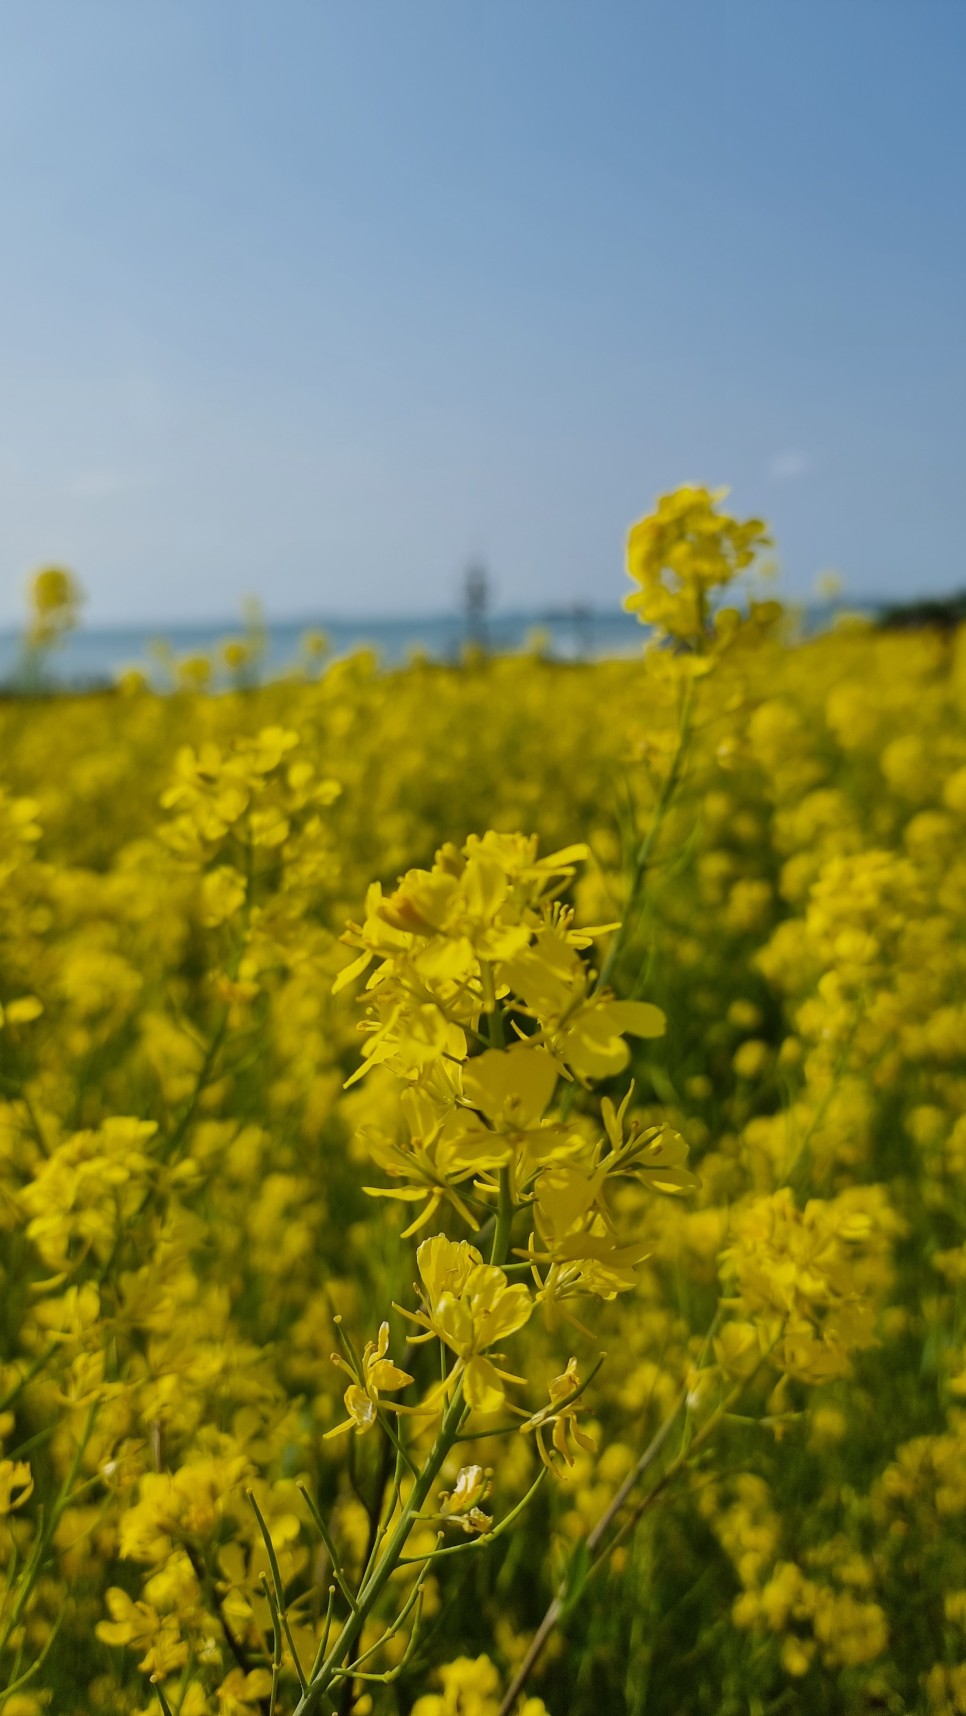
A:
[946,612]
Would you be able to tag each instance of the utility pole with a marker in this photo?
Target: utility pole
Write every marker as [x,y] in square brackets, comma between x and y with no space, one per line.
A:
[583,621]
[476,601]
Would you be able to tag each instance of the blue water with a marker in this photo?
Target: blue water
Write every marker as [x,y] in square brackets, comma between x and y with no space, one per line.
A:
[96,656]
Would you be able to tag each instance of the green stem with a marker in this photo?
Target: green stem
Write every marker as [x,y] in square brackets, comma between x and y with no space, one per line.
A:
[494,1018]
[643,858]
[207,1067]
[645,851]
[19,1085]
[39,1554]
[28,1376]
[175,1137]
[389,1560]
[505,1212]
[330,1547]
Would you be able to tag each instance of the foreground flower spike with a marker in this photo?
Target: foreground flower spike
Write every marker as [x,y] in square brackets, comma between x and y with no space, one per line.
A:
[480,951]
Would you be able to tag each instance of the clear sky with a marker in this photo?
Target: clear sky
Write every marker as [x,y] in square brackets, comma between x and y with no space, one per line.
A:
[320,299]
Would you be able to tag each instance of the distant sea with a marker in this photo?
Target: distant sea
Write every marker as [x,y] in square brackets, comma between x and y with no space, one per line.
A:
[95,656]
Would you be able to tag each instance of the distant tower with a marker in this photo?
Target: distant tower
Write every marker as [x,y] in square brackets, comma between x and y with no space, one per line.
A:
[476,601]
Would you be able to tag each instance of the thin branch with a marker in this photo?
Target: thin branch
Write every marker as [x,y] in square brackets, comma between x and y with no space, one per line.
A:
[329,1542]
[556,1608]
[484,1537]
[279,1590]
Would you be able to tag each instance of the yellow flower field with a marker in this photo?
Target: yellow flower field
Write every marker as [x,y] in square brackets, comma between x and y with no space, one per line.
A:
[482,1152]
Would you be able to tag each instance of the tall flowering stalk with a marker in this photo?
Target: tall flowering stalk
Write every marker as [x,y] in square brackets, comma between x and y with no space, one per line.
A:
[54,601]
[482,1001]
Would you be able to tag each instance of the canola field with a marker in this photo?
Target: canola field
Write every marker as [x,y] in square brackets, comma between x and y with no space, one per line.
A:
[482,1163]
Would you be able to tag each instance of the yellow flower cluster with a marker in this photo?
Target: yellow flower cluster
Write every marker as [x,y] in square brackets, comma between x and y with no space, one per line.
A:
[55,599]
[681,556]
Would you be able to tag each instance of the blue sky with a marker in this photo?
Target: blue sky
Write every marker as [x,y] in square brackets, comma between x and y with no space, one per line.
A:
[321,300]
